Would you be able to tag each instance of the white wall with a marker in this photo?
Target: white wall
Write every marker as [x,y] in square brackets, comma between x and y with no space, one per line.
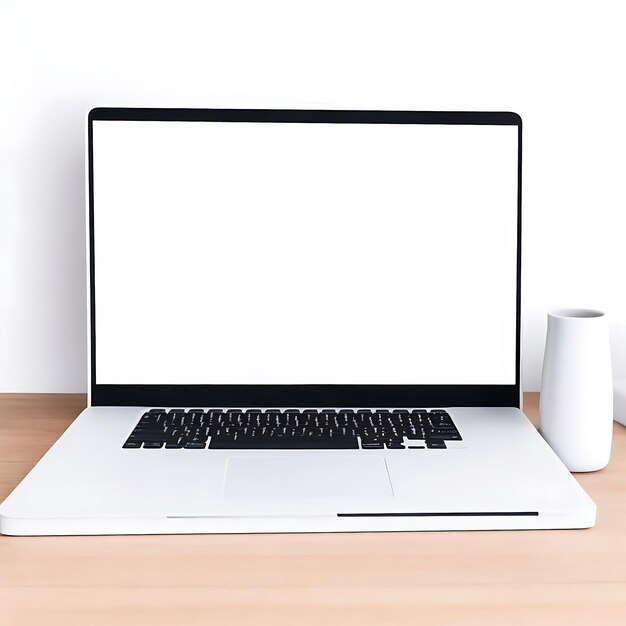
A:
[559,64]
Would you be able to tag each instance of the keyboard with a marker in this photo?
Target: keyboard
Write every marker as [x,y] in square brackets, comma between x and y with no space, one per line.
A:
[293,429]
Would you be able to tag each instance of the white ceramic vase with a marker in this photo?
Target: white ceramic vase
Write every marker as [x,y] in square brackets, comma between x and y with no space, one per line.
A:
[576,402]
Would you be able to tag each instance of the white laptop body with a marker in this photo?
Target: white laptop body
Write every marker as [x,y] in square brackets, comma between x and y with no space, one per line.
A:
[301,321]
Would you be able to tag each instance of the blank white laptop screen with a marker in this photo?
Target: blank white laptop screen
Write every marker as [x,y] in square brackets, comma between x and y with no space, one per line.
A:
[292,253]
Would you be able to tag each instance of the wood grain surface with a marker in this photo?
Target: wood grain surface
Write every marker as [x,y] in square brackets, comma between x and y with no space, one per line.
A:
[502,577]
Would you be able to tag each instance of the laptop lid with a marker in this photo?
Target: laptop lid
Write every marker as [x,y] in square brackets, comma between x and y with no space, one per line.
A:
[304,258]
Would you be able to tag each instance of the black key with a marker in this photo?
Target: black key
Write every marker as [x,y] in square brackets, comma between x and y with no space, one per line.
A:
[394,445]
[371,445]
[173,444]
[431,443]
[391,439]
[153,444]
[195,445]
[444,436]
[198,438]
[443,425]
[132,444]
[151,437]
[416,447]
[283,443]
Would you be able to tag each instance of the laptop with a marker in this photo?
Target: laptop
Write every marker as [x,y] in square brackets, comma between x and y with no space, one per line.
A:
[301,321]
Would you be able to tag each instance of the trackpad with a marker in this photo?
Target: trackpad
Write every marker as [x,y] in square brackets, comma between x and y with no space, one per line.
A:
[307,476]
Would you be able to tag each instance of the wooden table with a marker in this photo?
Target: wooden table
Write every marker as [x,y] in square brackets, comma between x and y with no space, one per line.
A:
[503,577]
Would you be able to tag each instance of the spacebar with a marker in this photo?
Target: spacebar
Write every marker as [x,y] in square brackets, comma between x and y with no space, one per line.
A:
[284,443]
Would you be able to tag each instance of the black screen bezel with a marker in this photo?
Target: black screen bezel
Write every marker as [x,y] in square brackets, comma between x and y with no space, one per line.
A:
[302,395]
